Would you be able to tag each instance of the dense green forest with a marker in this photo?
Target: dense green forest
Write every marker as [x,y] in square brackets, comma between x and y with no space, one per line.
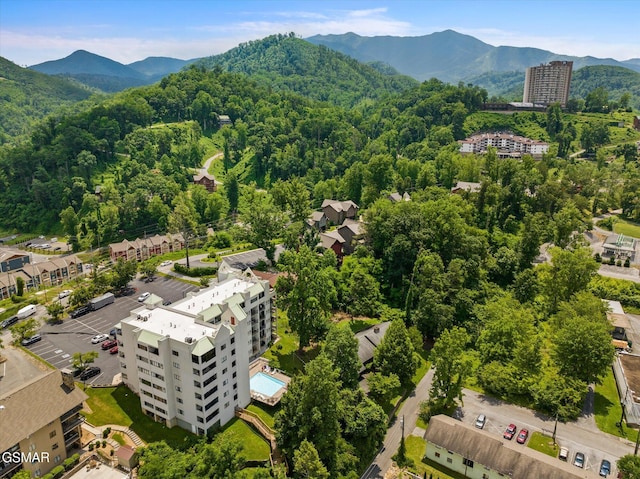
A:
[454,269]
[288,63]
[27,96]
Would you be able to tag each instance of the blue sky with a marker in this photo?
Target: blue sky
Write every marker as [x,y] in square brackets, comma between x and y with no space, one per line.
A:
[33,31]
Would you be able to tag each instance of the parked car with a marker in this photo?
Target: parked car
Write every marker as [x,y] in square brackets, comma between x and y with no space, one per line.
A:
[114,350]
[9,322]
[143,296]
[480,421]
[33,339]
[522,436]
[89,373]
[579,460]
[98,338]
[166,263]
[64,293]
[605,468]
[81,311]
[510,432]
[113,332]
[564,454]
[109,344]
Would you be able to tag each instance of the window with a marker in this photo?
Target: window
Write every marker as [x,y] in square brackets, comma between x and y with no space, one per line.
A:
[196,372]
[180,411]
[467,462]
[449,460]
[233,340]
[437,454]
[212,415]
[54,447]
[57,459]
[226,405]
[223,347]
[224,383]
[175,353]
[52,434]
[196,384]
[145,382]
[226,393]
[153,350]
[143,370]
[209,355]
[224,359]
[179,400]
[195,359]
[176,365]
[156,364]
[146,393]
[235,397]
[176,377]
[142,358]
[142,346]
[233,363]
[233,352]
[234,375]
[124,376]
[224,371]
[198,396]
[198,407]
[200,419]
[158,376]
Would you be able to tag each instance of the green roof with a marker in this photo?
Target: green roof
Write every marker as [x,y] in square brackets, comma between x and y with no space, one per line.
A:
[204,345]
[147,337]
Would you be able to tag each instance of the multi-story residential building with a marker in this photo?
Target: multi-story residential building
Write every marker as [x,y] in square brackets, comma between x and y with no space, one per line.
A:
[189,362]
[40,424]
[142,249]
[53,272]
[547,84]
[507,145]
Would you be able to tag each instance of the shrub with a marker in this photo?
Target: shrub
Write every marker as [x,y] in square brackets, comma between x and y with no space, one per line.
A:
[195,272]
[91,447]
[612,261]
[221,239]
[597,257]
[106,432]
[57,472]
[104,443]
[627,263]
[618,263]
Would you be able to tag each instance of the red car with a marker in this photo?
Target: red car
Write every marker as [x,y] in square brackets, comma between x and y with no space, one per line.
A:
[114,350]
[510,432]
[109,344]
[522,437]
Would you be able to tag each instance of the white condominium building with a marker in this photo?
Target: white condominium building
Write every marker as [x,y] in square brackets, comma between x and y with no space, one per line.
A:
[547,84]
[189,361]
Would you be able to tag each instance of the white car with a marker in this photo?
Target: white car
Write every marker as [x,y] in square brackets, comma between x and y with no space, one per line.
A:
[65,293]
[99,338]
[143,296]
[166,263]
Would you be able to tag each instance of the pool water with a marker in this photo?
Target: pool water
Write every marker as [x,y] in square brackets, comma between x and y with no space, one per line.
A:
[264,384]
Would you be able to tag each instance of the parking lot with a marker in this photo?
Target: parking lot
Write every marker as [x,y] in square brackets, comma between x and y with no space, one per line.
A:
[60,341]
[576,437]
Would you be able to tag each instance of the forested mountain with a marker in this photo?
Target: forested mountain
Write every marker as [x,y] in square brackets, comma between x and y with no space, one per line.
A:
[289,63]
[616,80]
[108,75]
[448,55]
[26,96]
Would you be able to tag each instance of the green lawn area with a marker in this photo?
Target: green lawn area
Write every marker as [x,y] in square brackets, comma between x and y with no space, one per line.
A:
[608,409]
[121,406]
[255,448]
[118,438]
[627,228]
[284,354]
[544,444]
[264,411]
[415,451]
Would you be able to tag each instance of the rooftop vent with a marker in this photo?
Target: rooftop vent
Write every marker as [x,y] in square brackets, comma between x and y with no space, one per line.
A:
[188,339]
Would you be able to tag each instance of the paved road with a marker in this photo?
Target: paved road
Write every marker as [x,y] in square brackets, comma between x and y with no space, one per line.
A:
[577,436]
[409,410]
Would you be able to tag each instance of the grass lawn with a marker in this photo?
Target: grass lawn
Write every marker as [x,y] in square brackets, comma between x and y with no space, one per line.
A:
[118,438]
[608,409]
[544,444]
[264,411]
[627,228]
[284,354]
[121,406]
[255,448]
[415,451]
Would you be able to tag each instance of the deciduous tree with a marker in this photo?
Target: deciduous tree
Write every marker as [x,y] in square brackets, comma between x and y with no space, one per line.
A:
[307,464]
[81,361]
[451,365]
[341,347]
[395,353]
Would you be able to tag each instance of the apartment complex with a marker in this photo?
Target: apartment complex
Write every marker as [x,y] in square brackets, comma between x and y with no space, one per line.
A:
[40,424]
[507,145]
[189,362]
[547,84]
[53,272]
[142,249]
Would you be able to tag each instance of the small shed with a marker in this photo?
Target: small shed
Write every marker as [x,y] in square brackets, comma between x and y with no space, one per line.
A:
[127,457]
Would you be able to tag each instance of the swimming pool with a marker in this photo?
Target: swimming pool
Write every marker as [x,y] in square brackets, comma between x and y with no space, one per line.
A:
[264,384]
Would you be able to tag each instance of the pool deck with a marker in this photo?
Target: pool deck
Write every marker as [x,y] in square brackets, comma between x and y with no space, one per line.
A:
[261,365]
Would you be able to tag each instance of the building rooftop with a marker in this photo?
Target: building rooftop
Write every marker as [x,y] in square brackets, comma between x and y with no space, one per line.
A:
[504,457]
[33,405]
